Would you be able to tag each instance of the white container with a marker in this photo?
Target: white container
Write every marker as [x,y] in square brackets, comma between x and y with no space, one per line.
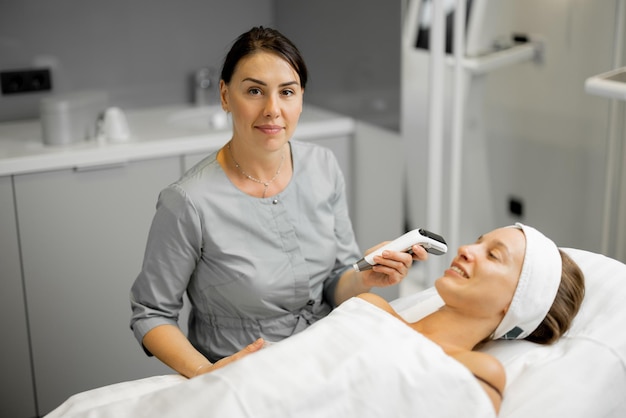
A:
[115,125]
[71,118]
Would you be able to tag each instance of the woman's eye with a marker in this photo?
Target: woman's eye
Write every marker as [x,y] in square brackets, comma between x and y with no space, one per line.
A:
[288,92]
[493,255]
[254,91]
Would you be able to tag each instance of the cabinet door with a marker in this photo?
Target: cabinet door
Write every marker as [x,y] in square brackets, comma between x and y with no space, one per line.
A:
[17,398]
[83,235]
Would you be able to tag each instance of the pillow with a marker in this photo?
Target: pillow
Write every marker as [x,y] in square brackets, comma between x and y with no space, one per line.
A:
[603,313]
[584,373]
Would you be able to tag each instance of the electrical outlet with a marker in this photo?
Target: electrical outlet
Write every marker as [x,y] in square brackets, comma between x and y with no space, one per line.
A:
[516,207]
[25,81]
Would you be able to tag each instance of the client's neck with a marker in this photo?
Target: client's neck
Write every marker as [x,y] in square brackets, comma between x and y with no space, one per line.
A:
[451,329]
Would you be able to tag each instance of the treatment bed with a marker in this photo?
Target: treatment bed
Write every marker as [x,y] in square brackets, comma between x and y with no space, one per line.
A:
[362,362]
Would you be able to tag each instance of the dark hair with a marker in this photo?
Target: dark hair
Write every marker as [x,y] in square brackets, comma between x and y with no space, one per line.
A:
[568,299]
[268,40]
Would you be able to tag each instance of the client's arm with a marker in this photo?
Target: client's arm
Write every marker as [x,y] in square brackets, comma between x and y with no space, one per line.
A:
[487,370]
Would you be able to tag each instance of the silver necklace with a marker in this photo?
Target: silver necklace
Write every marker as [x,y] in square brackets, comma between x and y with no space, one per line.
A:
[265,184]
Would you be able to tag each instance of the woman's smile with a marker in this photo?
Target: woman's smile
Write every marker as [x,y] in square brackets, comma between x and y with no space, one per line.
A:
[270,129]
[456,270]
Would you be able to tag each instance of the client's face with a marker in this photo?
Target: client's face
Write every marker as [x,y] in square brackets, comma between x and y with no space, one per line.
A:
[483,276]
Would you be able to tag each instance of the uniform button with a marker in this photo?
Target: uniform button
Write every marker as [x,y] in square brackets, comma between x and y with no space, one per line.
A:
[275,201]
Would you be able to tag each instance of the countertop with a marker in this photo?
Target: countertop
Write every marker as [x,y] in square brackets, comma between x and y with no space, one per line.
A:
[156,132]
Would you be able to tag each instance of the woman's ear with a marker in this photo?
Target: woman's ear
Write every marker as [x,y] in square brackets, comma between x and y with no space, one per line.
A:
[224,96]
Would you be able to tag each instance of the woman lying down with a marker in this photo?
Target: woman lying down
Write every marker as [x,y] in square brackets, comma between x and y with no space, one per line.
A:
[365,360]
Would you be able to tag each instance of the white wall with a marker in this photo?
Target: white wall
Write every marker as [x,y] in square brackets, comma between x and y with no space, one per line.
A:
[546,136]
[544,139]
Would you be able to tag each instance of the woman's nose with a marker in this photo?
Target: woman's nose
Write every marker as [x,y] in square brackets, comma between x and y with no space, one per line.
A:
[271,107]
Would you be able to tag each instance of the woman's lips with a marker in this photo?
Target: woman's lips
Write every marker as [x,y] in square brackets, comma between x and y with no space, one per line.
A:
[270,129]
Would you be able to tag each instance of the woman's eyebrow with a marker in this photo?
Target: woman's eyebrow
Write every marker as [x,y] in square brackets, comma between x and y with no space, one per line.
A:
[254,80]
[263,83]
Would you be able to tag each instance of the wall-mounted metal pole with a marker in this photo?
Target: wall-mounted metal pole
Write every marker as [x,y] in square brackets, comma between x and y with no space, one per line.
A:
[458,116]
[435,126]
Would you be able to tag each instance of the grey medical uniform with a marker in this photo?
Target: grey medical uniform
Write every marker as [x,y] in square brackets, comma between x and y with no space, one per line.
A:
[252,267]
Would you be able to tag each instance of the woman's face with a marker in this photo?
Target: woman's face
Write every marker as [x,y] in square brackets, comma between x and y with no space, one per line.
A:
[483,276]
[265,99]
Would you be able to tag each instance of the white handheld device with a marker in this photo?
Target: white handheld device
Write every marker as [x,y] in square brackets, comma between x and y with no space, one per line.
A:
[432,243]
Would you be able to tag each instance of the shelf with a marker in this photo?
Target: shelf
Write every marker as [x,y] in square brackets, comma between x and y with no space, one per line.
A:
[611,84]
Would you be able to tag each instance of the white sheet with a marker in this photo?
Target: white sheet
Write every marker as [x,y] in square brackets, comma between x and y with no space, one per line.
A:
[379,374]
[358,362]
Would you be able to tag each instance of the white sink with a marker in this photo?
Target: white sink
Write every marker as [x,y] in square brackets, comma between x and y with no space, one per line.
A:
[199,118]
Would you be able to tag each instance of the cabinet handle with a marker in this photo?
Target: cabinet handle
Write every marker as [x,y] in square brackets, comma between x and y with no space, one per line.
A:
[95,167]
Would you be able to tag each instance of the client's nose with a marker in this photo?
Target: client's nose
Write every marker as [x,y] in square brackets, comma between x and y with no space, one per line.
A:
[465,252]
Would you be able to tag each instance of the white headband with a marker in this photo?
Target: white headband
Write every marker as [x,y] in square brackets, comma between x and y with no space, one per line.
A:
[536,288]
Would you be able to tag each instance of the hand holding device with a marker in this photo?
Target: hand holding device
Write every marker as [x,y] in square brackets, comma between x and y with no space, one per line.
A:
[432,243]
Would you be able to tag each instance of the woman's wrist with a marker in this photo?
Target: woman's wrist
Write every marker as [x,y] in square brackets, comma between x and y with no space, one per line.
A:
[350,284]
[200,368]
[359,284]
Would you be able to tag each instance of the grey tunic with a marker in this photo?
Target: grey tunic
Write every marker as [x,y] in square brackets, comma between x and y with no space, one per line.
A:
[252,267]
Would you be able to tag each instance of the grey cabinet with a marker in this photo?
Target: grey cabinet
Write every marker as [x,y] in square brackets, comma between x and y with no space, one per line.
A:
[16,380]
[83,234]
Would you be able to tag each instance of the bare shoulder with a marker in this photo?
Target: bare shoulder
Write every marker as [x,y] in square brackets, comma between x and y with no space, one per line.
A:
[484,366]
[378,301]
[489,372]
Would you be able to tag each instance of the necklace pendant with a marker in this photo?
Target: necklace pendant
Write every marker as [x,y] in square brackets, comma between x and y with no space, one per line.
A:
[265,184]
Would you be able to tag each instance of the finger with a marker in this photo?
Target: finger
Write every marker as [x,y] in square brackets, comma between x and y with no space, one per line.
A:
[255,346]
[249,349]
[388,255]
[394,271]
[387,277]
[406,261]
[388,270]
[419,253]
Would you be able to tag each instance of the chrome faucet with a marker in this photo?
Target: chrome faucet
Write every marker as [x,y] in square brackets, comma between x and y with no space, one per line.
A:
[205,87]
